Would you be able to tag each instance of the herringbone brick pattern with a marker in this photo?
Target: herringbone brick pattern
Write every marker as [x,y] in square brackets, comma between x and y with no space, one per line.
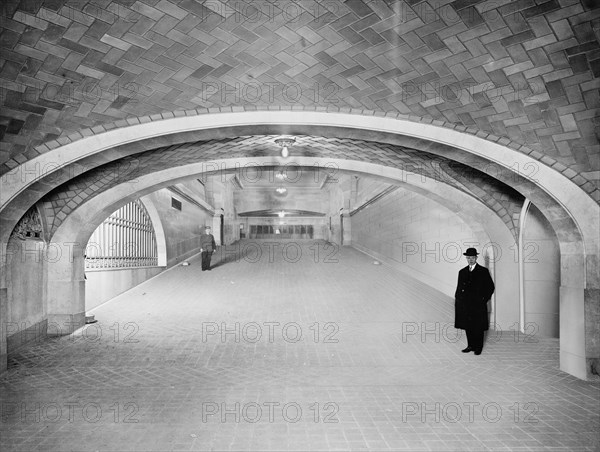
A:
[524,71]
[499,197]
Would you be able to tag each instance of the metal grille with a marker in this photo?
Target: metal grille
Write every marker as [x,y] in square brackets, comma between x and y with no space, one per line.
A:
[125,239]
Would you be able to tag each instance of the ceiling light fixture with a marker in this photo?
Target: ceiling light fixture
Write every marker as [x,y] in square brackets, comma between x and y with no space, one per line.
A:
[285,143]
[281,214]
[281,190]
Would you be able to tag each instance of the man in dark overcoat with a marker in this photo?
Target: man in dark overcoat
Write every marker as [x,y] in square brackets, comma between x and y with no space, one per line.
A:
[207,248]
[474,289]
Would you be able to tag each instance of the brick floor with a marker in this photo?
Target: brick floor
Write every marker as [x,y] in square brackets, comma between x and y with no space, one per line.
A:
[159,372]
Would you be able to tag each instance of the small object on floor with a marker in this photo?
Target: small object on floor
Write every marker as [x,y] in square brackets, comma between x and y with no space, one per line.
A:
[90,319]
[185,264]
[376,263]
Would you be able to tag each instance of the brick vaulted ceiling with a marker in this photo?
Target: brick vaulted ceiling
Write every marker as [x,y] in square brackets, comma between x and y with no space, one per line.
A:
[526,70]
[499,197]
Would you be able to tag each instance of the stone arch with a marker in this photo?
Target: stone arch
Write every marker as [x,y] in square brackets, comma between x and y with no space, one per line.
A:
[102,285]
[571,210]
[159,231]
[432,138]
[81,223]
[122,123]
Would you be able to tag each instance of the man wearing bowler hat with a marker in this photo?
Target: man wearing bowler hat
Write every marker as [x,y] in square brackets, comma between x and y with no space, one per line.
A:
[475,287]
[207,248]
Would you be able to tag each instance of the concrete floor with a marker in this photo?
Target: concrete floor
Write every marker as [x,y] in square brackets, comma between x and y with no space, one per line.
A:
[177,363]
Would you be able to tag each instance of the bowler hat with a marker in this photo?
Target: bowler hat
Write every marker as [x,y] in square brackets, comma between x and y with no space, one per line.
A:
[471,252]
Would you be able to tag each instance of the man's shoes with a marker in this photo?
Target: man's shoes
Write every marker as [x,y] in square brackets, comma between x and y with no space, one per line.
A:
[467,350]
[478,352]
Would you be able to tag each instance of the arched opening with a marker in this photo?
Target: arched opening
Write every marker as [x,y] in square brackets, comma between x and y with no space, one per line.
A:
[540,277]
[121,253]
[487,226]
[548,189]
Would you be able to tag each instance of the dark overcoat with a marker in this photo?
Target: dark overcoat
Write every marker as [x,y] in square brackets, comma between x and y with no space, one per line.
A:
[473,291]
[207,242]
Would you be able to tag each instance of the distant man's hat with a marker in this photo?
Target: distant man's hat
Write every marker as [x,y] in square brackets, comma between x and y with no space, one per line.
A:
[206,227]
[471,252]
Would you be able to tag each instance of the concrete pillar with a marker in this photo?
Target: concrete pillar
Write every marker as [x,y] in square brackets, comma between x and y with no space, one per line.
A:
[3,306]
[591,300]
[66,291]
[504,268]
[346,227]
[572,316]
[216,229]
[592,330]
[3,328]
[22,300]
[539,255]
[335,235]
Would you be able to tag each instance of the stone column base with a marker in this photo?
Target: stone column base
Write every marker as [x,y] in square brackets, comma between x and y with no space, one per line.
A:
[63,324]
[26,335]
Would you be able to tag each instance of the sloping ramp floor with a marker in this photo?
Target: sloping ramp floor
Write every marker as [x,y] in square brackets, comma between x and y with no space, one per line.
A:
[295,347]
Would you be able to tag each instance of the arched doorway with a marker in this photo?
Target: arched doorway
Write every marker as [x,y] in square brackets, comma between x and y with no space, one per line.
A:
[551,191]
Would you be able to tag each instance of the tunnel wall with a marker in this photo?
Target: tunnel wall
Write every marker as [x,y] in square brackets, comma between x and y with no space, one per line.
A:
[367,189]
[231,224]
[541,275]
[182,230]
[422,237]
[333,219]
[101,286]
[26,308]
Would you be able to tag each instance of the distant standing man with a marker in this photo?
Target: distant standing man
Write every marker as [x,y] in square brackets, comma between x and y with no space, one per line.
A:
[207,248]
[475,287]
